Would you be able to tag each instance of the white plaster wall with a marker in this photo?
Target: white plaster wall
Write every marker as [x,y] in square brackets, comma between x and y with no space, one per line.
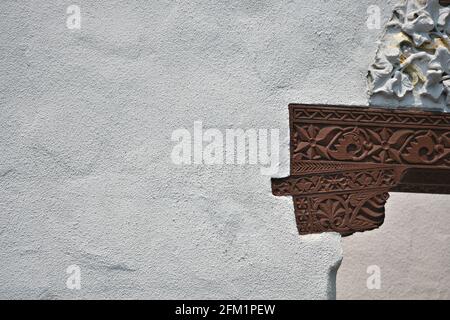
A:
[411,249]
[85,125]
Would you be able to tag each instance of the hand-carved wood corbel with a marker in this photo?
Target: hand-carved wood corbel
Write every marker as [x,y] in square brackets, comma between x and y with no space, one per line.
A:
[346,160]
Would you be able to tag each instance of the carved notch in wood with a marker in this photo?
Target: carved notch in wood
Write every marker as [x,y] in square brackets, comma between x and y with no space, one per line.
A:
[346,160]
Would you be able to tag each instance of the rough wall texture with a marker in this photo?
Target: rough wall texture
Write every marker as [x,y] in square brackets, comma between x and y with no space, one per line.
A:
[86,121]
[411,251]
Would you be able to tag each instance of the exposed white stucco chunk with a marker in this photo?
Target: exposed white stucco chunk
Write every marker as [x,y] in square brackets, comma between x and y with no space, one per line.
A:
[413,61]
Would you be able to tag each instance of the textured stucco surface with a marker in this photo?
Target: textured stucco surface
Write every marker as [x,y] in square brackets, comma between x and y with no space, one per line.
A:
[411,250]
[85,125]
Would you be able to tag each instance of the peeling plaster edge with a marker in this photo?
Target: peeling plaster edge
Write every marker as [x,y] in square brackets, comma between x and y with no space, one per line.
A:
[332,271]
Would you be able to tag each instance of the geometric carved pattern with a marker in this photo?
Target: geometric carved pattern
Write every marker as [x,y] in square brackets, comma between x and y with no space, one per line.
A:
[345,161]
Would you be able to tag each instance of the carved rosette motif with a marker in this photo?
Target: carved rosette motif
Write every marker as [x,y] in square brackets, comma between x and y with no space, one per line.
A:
[344,161]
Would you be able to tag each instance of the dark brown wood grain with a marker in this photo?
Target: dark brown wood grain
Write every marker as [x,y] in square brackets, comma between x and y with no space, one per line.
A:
[346,160]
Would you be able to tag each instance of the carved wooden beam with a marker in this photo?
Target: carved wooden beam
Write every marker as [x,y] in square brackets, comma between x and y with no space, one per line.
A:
[346,160]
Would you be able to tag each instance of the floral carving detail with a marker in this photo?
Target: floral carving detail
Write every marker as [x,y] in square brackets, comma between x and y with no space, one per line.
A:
[387,144]
[309,138]
[343,213]
[350,144]
[345,160]
[379,145]
[331,213]
[428,148]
